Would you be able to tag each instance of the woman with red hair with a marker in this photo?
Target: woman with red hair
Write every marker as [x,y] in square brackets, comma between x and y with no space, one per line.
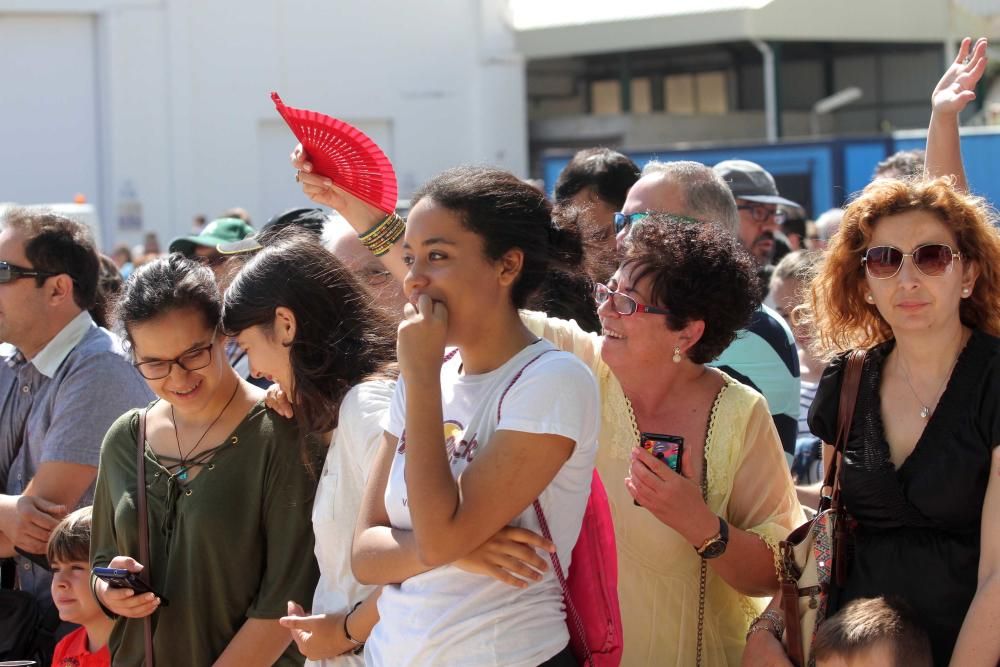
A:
[912,276]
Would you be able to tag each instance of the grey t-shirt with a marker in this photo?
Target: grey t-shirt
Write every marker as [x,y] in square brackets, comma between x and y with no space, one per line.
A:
[62,417]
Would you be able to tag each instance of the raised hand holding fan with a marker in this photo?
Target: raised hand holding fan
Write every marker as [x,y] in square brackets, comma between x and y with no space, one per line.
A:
[344,154]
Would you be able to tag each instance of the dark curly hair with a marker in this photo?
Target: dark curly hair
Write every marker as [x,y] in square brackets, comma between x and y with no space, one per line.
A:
[341,337]
[506,213]
[697,272]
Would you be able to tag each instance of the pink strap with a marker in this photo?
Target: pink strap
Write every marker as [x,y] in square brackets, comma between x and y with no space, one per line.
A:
[571,609]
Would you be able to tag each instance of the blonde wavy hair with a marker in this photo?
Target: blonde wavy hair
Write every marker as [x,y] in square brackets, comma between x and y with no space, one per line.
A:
[836,310]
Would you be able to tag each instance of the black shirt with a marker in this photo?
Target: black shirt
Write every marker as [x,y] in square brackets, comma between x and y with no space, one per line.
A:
[918,532]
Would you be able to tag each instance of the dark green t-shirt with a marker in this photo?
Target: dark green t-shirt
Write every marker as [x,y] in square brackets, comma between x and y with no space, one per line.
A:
[236,542]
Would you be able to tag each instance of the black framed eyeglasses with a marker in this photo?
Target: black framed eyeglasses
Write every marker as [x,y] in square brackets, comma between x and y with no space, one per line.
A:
[931,259]
[11,272]
[761,213]
[192,360]
[623,303]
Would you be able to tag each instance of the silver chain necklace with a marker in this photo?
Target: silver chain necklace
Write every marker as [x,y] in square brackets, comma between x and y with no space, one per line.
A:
[925,410]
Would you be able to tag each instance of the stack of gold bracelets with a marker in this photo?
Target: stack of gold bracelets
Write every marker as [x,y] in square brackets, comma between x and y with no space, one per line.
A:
[380,238]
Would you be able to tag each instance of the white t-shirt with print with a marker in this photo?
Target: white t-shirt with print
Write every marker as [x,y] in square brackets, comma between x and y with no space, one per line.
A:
[338,500]
[447,616]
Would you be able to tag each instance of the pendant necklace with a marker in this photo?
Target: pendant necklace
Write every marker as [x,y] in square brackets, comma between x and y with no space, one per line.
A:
[182,473]
[925,410]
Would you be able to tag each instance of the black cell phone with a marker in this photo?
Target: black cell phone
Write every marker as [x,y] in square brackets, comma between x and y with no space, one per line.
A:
[120,578]
[667,448]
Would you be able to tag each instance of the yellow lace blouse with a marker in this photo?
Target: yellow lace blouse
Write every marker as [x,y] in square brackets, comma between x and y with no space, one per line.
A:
[658,572]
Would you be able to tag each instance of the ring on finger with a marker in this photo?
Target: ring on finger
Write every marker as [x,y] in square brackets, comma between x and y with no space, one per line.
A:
[297,176]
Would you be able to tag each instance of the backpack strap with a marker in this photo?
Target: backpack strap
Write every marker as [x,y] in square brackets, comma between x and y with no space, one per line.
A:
[574,615]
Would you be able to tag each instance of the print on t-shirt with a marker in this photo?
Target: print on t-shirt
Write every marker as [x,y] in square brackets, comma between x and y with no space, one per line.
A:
[453,432]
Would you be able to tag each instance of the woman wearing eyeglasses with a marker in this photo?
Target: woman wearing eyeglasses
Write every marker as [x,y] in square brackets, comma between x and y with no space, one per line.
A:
[912,275]
[695,545]
[230,539]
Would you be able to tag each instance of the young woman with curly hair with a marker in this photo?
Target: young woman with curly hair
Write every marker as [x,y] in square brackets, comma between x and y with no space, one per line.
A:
[912,276]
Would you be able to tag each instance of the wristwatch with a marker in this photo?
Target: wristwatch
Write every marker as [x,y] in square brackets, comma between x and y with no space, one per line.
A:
[716,545]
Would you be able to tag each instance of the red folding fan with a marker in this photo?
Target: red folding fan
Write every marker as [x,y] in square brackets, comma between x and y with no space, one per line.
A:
[344,154]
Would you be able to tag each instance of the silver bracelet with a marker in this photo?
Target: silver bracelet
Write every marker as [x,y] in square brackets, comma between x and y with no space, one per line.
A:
[771,621]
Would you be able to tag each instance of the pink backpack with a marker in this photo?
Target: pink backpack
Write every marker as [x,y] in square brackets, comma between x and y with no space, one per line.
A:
[590,592]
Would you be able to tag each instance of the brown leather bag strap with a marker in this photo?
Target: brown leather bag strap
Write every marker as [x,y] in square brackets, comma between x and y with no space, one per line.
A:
[845,416]
[147,622]
[789,587]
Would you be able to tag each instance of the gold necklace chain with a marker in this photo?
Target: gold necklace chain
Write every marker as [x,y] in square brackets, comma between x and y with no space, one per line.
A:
[703,578]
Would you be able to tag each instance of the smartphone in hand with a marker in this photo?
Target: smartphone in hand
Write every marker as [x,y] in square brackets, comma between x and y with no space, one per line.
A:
[667,448]
[121,578]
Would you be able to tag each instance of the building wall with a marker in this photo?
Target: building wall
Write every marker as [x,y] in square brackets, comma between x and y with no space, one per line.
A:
[180,121]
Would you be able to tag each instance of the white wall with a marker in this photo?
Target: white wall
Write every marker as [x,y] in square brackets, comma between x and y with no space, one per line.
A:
[183,123]
[48,114]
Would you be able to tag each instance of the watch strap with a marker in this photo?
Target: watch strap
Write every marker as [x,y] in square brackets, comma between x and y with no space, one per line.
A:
[721,536]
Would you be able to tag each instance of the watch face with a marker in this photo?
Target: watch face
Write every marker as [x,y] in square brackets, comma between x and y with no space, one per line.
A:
[714,550]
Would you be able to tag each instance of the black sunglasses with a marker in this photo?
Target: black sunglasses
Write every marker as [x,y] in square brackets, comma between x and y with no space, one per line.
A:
[11,272]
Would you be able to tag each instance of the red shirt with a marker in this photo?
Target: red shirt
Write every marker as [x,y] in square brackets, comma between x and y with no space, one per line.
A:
[71,651]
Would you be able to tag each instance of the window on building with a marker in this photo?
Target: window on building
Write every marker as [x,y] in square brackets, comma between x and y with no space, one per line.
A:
[606,97]
[712,92]
[679,93]
[641,90]
[704,92]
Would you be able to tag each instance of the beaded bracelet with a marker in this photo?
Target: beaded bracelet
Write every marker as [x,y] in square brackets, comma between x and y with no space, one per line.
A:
[380,238]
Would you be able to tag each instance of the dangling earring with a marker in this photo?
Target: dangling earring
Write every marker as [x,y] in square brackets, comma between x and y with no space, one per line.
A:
[869,298]
[677,355]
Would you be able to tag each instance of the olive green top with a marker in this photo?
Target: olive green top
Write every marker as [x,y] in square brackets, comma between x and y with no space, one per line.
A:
[234,542]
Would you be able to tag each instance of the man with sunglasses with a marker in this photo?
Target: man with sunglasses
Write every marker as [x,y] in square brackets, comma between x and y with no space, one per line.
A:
[764,355]
[65,380]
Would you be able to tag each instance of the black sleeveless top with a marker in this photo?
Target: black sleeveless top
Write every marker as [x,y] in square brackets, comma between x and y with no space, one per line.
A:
[918,531]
